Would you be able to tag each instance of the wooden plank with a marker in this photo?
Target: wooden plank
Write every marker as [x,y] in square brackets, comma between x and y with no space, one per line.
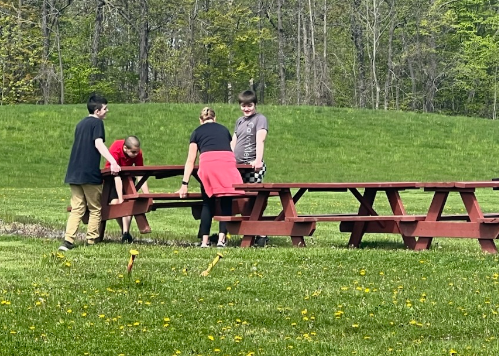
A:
[474,230]
[272,228]
[325,186]
[165,196]
[127,208]
[355,218]
[389,227]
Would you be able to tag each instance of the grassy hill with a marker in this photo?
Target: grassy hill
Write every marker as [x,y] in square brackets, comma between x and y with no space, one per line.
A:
[304,143]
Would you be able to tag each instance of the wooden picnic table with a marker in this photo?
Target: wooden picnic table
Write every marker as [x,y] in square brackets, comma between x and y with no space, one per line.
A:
[139,204]
[423,227]
[474,224]
[289,223]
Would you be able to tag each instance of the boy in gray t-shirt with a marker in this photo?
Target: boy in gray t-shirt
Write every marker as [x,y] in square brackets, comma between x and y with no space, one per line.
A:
[248,141]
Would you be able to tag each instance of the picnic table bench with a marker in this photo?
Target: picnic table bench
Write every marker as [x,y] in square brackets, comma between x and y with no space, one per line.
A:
[416,230]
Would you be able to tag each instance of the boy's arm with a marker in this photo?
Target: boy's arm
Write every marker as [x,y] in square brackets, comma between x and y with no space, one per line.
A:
[101,147]
[233,142]
[119,188]
[261,135]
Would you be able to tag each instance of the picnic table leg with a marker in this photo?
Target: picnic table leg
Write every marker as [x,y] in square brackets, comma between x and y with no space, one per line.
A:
[289,209]
[398,209]
[359,226]
[434,213]
[102,230]
[256,214]
[142,223]
[474,212]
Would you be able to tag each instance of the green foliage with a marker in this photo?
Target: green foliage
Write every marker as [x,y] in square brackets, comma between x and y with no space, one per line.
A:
[20,58]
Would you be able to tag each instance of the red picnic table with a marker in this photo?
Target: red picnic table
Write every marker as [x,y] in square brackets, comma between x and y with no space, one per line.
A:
[289,223]
[139,204]
[473,224]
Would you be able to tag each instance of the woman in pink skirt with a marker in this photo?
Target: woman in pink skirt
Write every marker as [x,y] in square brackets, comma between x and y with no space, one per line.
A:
[217,172]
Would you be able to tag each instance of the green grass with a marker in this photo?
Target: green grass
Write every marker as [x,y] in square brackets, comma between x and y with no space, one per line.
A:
[325,299]
[276,301]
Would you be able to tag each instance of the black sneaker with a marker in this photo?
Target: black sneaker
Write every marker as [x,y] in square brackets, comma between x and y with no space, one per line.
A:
[66,246]
[126,238]
[261,241]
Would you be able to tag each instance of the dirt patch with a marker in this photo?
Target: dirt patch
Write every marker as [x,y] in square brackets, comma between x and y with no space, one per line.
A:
[31,230]
[40,231]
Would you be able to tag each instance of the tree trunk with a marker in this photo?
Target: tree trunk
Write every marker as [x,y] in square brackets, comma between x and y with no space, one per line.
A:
[358,40]
[261,57]
[143,52]
[306,57]
[298,53]
[94,55]
[314,55]
[44,77]
[389,60]
[282,74]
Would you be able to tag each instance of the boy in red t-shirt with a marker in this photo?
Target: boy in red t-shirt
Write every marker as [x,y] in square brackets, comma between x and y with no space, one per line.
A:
[127,153]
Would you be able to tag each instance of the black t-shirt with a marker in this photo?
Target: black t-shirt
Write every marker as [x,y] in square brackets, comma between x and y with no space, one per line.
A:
[211,137]
[84,162]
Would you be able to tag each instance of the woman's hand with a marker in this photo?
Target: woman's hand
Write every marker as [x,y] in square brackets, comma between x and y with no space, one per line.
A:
[182,192]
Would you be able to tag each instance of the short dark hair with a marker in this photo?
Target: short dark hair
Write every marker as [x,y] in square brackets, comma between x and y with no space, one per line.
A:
[95,102]
[247,97]
[132,142]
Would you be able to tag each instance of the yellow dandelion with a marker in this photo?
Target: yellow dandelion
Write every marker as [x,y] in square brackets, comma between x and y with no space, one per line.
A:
[211,337]
[355,325]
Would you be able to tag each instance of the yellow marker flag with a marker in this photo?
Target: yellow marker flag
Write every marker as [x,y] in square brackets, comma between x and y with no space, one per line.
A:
[133,254]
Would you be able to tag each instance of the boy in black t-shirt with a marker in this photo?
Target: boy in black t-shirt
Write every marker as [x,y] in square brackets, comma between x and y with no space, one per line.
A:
[83,174]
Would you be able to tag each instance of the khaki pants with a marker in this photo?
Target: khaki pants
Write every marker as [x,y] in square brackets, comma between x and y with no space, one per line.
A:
[83,197]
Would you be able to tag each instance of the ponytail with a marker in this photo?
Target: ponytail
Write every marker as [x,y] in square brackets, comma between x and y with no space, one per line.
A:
[207,114]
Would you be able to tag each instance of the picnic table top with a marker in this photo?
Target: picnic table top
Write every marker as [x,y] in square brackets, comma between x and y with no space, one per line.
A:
[373,185]
[325,186]
[154,170]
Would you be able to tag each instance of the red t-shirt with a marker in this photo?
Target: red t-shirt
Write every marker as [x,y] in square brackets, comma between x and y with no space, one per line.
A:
[121,158]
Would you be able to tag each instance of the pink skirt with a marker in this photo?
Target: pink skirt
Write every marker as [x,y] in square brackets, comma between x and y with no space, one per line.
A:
[218,172]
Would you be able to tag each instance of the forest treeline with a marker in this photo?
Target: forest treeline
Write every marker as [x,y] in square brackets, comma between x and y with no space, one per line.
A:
[418,55]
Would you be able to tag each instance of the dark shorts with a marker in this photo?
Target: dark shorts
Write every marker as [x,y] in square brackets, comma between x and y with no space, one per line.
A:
[255,176]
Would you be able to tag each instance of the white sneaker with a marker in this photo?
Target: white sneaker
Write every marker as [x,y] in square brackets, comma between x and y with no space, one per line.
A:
[204,245]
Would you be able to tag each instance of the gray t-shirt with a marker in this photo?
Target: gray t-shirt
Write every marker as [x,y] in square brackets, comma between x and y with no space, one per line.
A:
[246,129]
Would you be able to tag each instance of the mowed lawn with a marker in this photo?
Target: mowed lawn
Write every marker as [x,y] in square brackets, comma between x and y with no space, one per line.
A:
[325,299]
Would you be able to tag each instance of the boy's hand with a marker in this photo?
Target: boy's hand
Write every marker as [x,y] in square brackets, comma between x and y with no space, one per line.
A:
[115,169]
[257,165]
[182,192]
